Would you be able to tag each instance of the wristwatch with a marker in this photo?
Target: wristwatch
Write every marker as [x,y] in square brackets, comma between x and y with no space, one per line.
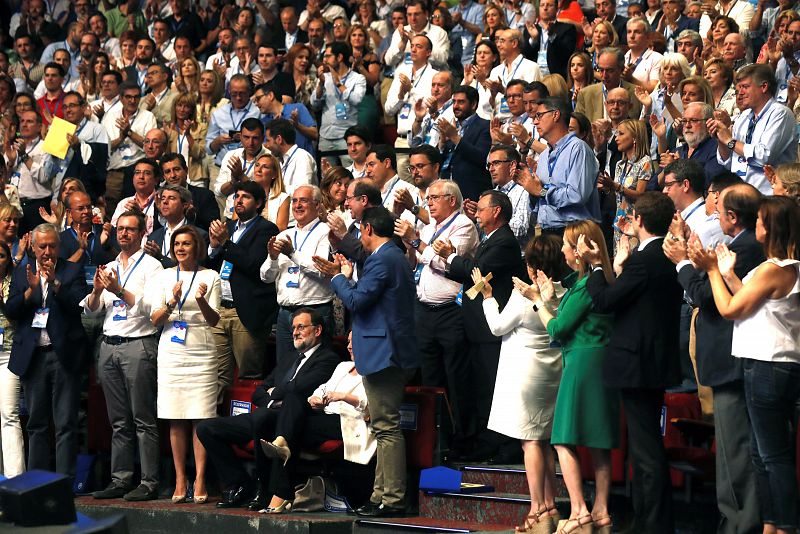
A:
[415,243]
[415,210]
[731,144]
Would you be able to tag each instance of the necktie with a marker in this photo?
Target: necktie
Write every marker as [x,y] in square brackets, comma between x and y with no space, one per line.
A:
[751,127]
[293,369]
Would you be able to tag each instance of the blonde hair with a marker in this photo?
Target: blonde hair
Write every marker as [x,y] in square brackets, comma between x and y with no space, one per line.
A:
[277,186]
[611,31]
[638,131]
[789,175]
[673,59]
[556,86]
[592,232]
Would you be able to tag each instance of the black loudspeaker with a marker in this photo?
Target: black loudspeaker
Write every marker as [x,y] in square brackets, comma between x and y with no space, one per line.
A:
[37,498]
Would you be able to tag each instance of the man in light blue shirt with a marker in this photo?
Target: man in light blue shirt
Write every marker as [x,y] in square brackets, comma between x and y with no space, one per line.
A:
[226,122]
[468,20]
[564,190]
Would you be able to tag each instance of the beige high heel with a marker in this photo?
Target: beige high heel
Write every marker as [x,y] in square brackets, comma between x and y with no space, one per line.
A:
[275,451]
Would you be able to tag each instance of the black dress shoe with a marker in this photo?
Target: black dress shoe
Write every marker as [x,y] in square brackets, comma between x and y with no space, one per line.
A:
[235,498]
[384,511]
[369,509]
[259,502]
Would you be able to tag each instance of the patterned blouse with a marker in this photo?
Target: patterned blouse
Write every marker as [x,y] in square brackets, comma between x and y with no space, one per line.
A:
[7,326]
[629,174]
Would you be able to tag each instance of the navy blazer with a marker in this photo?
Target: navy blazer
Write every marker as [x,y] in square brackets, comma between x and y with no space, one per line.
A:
[205,205]
[382,303]
[646,302]
[705,155]
[499,255]
[317,370]
[715,364]
[63,324]
[97,254]
[684,23]
[468,164]
[256,302]
[563,39]
[158,237]
[350,246]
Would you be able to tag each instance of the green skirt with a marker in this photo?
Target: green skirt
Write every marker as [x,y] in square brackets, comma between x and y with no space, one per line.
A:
[368,113]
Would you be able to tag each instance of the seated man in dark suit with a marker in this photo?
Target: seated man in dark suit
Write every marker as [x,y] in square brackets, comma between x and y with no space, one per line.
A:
[48,348]
[173,203]
[313,365]
[466,145]
[204,204]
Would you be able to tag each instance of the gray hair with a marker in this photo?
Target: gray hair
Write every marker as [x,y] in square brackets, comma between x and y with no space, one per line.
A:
[184,194]
[316,192]
[697,39]
[639,20]
[45,228]
[450,187]
[616,52]
[705,109]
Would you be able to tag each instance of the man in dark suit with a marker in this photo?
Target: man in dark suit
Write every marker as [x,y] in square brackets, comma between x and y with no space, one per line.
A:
[737,498]
[204,205]
[700,146]
[607,10]
[384,347]
[642,354]
[48,348]
[173,203]
[549,37]
[499,254]
[83,242]
[288,34]
[312,365]
[674,22]
[249,306]
[466,144]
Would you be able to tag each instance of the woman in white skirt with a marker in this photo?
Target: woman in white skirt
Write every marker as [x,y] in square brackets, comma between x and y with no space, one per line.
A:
[12,460]
[184,300]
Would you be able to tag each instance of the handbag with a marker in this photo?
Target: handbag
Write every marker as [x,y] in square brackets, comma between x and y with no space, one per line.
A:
[318,494]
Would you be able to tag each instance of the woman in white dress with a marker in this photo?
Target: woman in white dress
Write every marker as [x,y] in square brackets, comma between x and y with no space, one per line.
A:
[528,375]
[267,174]
[184,300]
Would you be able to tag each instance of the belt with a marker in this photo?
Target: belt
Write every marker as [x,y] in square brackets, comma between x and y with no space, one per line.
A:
[26,201]
[227,304]
[442,306]
[44,348]
[312,306]
[119,340]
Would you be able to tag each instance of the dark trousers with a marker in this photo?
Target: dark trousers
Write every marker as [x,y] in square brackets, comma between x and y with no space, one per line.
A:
[652,492]
[30,214]
[737,495]
[217,435]
[485,358]
[687,369]
[50,389]
[772,391]
[284,344]
[445,363]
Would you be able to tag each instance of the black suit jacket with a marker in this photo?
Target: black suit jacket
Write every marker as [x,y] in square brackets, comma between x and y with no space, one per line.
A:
[499,255]
[317,370]
[92,174]
[684,23]
[468,164]
[715,364]
[63,324]
[158,237]
[620,24]
[563,39]
[646,302]
[97,254]
[205,204]
[256,302]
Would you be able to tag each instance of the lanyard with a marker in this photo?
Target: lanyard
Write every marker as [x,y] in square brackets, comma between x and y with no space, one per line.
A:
[245,167]
[389,192]
[177,278]
[92,242]
[514,72]
[246,229]
[342,80]
[414,85]
[181,140]
[286,165]
[149,203]
[135,265]
[552,159]
[78,132]
[626,168]
[443,228]
[298,249]
[162,97]
[245,110]
[693,210]
[638,61]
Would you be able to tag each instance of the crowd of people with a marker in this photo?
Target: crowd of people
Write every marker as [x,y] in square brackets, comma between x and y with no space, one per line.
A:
[555,210]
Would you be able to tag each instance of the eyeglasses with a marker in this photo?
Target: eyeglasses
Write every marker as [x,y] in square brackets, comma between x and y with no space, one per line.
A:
[538,115]
[616,102]
[694,121]
[669,184]
[296,327]
[131,97]
[417,167]
[491,164]
[72,106]
[348,199]
[435,198]
[153,142]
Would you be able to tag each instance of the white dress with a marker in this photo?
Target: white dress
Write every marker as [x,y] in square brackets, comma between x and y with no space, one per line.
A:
[529,370]
[187,373]
[273,206]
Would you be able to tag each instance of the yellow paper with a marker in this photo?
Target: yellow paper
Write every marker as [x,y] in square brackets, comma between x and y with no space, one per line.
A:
[55,143]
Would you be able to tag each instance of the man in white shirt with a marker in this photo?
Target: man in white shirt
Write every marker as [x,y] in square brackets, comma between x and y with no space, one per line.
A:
[359,141]
[289,265]
[382,170]
[439,321]
[126,366]
[320,8]
[513,67]
[221,60]
[110,82]
[429,109]
[411,83]
[245,60]
[741,12]
[642,65]
[238,164]
[127,126]
[764,133]
[297,166]
[165,42]
[399,50]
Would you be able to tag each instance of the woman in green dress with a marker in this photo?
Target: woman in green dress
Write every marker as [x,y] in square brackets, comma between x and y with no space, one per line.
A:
[587,413]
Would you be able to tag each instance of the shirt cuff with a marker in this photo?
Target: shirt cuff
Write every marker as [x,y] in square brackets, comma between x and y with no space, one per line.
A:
[682,264]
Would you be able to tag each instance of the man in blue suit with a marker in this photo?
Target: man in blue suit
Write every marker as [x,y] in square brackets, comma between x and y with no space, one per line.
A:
[48,348]
[384,345]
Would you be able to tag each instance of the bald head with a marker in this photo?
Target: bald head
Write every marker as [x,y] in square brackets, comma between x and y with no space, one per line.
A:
[739,208]
[618,104]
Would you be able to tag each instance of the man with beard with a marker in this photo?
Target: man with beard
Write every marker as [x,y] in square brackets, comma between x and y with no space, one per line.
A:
[700,146]
[145,52]
[222,58]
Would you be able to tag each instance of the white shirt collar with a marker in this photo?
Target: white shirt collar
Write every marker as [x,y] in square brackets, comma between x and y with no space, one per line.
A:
[647,241]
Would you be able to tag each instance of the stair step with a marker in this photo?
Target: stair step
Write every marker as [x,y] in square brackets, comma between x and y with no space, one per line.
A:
[506,478]
[425,524]
[495,507]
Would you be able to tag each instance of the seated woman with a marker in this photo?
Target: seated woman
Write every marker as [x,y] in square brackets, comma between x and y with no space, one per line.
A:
[336,410]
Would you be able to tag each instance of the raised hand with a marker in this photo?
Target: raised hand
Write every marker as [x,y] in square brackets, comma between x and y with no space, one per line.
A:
[273,249]
[152,248]
[47,217]
[443,248]
[202,289]
[33,278]
[470,208]
[176,290]
[587,250]
[545,286]
[726,259]
[404,230]
[328,268]
[529,291]
[643,96]
[345,265]
[623,253]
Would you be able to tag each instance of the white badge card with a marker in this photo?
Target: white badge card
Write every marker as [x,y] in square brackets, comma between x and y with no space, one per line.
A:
[405,111]
[418,272]
[40,318]
[119,310]
[293,276]
[504,106]
[407,58]
[2,337]
[227,269]
[177,332]
[341,111]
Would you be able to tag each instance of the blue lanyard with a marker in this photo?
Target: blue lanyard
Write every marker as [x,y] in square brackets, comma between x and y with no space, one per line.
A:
[78,132]
[181,139]
[389,192]
[552,159]
[298,249]
[185,295]
[342,80]
[505,70]
[92,243]
[286,165]
[443,228]
[245,110]
[245,167]
[638,61]
[693,210]
[135,265]
[149,203]
[414,86]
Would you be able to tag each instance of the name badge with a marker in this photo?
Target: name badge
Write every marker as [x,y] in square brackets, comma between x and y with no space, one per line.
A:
[227,269]
[177,332]
[418,273]
[405,111]
[341,111]
[407,58]
[88,273]
[2,337]
[293,277]
[460,296]
[15,177]
[40,318]
[119,310]
[504,106]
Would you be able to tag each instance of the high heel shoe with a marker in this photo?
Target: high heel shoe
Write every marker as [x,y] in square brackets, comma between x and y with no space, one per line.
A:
[275,451]
[185,497]
[602,529]
[575,525]
[537,523]
[285,506]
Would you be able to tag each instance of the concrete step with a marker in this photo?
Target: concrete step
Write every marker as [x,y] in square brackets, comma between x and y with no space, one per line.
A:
[423,524]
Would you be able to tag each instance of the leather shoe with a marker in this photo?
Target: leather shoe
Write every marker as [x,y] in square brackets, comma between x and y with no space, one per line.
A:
[382,511]
[235,498]
[258,503]
[368,509]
